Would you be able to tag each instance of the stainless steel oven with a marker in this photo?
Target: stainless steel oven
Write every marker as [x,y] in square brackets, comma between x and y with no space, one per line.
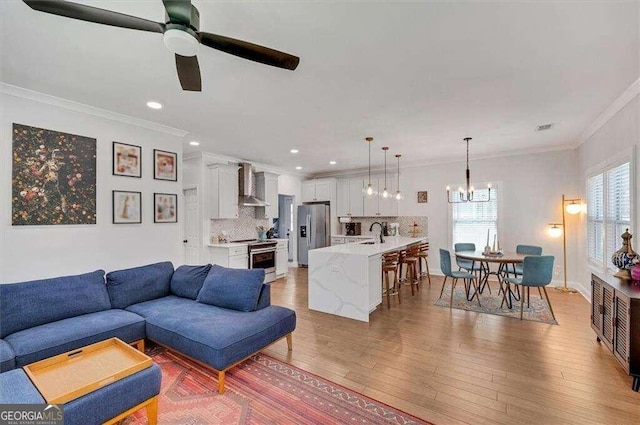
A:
[262,255]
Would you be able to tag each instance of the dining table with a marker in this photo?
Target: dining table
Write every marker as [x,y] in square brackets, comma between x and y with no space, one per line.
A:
[504,260]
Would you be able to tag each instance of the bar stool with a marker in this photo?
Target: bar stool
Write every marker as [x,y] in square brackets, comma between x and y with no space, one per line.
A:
[423,253]
[411,259]
[390,265]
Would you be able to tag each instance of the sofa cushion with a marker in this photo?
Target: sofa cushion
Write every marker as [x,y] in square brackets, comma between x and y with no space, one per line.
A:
[29,304]
[55,338]
[16,388]
[109,401]
[7,357]
[139,284]
[216,336]
[237,289]
[165,305]
[187,280]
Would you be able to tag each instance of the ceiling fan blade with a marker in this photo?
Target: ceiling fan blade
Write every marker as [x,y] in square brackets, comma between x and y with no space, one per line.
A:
[188,73]
[94,14]
[249,51]
[179,11]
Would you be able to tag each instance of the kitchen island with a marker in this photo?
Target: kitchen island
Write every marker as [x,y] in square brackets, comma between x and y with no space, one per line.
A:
[346,279]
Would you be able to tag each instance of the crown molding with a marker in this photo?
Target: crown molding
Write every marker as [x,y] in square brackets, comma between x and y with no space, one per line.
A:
[35,96]
[627,96]
[211,158]
[440,161]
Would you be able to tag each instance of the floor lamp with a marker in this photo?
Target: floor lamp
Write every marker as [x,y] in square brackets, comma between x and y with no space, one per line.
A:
[570,206]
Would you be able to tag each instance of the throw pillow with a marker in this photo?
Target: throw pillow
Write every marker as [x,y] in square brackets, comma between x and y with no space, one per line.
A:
[188,280]
[236,289]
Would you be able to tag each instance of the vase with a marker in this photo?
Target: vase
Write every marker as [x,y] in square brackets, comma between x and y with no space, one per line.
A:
[625,258]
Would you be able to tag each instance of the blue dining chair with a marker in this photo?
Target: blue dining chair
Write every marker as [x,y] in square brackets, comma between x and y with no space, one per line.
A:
[537,272]
[467,265]
[468,278]
[526,250]
[517,268]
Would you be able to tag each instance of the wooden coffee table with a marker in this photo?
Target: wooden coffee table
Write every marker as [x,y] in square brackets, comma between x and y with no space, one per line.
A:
[71,375]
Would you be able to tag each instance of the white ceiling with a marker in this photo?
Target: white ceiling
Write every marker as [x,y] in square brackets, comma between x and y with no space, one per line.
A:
[418,77]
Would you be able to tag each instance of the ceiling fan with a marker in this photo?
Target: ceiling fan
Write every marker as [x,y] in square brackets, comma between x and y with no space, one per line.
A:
[181,35]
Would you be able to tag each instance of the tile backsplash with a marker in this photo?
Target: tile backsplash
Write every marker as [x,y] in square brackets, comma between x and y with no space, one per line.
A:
[243,227]
[406,224]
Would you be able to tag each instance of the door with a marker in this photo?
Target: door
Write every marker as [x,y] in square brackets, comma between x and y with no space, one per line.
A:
[622,331]
[304,223]
[191,239]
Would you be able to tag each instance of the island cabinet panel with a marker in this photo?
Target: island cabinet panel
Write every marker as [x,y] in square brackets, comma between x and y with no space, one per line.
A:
[615,317]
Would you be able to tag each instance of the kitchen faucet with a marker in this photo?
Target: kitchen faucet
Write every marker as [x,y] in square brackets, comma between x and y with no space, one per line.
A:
[381,230]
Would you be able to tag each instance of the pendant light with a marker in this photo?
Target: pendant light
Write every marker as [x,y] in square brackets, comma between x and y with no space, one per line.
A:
[398,196]
[369,191]
[467,194]
[385,193]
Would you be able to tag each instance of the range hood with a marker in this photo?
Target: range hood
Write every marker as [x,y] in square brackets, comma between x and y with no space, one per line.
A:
[247,187]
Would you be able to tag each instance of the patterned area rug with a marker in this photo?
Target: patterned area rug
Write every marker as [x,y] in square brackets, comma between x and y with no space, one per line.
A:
[538,311]
[261,390]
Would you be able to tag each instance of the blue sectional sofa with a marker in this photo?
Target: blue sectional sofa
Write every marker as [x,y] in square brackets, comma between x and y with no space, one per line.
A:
[214,315]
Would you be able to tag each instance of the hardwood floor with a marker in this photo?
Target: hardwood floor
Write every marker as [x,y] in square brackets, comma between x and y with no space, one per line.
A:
[454,367]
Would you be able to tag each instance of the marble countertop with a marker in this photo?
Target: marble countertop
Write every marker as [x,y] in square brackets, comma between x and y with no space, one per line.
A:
[391,243]
[353,236]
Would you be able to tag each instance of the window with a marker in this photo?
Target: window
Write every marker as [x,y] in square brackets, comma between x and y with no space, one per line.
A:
[608,212]
[471,220]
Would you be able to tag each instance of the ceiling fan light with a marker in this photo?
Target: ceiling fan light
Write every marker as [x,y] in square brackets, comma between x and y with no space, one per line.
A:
[181,42]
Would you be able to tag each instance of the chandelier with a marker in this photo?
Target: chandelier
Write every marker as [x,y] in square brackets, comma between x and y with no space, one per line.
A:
[467,195]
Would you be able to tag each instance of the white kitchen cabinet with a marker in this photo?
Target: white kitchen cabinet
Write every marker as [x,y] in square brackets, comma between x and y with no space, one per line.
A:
[223,191]
[349,198]
[371,204]
[378,207]
[320,190]
[343,207]
[232,255]
[282,257]
[267,189]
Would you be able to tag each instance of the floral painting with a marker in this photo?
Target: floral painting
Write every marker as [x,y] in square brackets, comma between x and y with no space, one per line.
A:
[165,165]
[127,207]
[54,177]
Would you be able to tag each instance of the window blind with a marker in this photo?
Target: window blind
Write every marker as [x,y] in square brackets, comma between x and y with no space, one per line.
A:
[470,220]
[608,212]
[617,208]
[595,217]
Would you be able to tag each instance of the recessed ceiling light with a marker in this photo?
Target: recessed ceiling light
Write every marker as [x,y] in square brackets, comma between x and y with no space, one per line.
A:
[154,105]
[194,143]
[332,163]
[298,168]
[294,151]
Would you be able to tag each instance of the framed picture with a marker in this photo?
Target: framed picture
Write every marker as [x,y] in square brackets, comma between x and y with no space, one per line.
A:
[422,197]
[165,165]
[165,208]
[54,177]
[127,160]
[127,207]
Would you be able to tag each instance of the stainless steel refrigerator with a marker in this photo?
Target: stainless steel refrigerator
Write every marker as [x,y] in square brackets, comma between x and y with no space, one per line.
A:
[314,224]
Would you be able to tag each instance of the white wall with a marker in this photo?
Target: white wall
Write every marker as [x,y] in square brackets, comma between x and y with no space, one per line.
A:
[621,133]
[31,252]
[530,191]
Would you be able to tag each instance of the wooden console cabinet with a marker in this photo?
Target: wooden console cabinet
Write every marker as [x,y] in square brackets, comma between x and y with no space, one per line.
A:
[615,317]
